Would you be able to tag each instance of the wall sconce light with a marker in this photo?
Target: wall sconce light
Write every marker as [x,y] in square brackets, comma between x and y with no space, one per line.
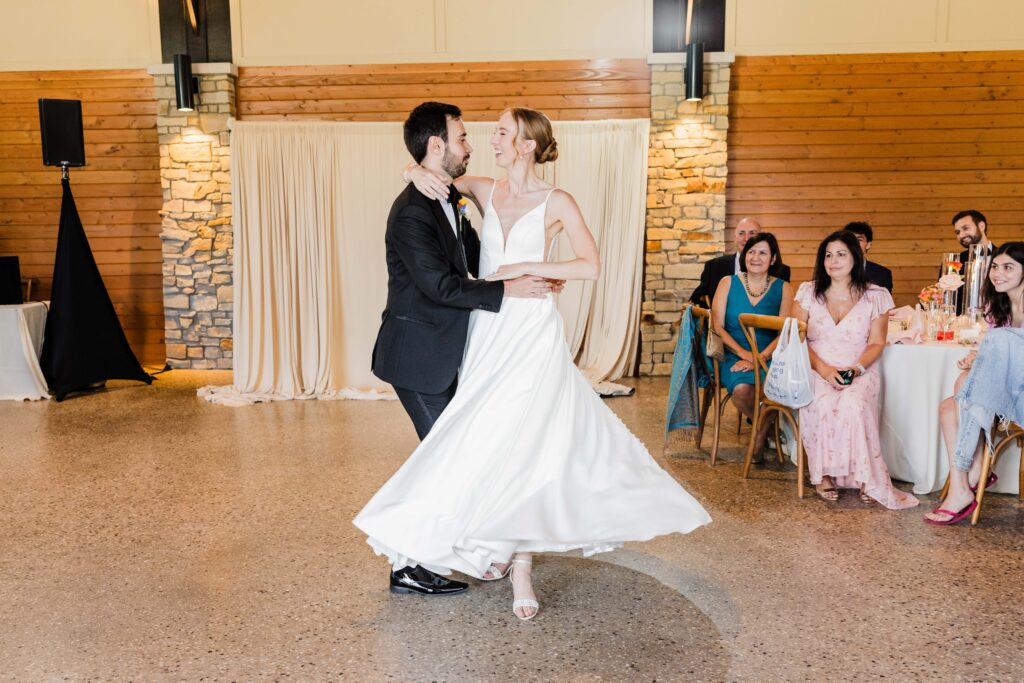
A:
[693,79]
[186,87]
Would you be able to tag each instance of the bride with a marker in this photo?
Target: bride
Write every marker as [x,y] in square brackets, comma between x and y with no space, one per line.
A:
[526,458]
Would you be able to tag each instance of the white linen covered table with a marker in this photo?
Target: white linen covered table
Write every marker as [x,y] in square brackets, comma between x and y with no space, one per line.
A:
[21,343]
[915,379]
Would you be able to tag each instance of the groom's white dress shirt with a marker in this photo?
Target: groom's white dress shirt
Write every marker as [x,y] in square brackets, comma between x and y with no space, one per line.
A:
[449,211]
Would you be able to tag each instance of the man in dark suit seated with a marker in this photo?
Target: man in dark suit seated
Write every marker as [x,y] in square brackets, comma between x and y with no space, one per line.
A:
[877,274]
[729,264]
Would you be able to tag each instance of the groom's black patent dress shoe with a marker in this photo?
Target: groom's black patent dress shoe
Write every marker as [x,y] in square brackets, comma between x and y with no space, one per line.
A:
[424,582]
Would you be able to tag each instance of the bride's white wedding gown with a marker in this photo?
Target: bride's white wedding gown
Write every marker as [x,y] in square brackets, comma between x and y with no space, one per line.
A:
[526,457]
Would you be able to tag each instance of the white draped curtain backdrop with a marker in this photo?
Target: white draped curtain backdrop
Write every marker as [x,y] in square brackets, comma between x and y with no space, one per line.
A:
[311,203]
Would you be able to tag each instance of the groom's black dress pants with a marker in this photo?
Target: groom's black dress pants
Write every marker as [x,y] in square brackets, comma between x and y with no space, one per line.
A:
[424,409]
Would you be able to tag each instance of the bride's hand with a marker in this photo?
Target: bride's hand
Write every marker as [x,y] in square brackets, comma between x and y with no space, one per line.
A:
[430,184]
[510,271]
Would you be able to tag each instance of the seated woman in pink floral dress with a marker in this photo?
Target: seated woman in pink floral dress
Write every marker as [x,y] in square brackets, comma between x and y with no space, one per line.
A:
[846,327]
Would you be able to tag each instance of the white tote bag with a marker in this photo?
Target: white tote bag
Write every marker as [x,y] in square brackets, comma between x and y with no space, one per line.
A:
[789,377]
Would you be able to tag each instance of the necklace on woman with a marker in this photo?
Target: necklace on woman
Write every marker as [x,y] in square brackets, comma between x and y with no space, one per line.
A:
[746,286]
[832,294]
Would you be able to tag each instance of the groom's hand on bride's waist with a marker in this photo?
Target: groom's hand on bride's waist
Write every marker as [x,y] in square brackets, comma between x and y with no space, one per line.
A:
[531,287]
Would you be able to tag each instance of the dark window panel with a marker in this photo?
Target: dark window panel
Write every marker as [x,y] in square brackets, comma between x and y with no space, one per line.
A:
[670,25]
[211,44]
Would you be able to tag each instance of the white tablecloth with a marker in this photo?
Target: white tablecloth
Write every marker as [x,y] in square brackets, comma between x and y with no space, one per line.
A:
[21,343]
[914,380]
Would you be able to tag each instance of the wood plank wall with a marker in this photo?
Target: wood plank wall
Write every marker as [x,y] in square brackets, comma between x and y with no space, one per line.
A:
[903,141]
[566,90]
[118,192]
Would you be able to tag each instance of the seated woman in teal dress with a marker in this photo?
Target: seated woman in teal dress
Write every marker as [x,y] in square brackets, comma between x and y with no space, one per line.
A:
[756,289]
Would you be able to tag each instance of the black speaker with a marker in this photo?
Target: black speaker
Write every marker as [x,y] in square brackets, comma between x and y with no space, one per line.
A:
[10,280]
[60,123]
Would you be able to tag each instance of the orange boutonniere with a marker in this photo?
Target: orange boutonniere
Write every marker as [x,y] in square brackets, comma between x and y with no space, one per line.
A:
[463,206]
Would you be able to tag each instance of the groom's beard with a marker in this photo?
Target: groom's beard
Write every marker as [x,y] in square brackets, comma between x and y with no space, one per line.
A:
[454,167]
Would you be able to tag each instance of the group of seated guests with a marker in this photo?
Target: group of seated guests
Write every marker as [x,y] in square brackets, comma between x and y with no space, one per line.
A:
[845,307]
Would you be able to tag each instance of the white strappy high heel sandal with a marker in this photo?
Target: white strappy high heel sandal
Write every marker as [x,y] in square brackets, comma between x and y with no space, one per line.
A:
[524,602]
[497,575]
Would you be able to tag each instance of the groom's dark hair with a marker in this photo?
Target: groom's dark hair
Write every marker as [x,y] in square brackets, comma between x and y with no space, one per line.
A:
[425,121]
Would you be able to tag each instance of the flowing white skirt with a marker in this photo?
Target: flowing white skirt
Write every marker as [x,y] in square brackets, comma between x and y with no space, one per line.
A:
[526,458]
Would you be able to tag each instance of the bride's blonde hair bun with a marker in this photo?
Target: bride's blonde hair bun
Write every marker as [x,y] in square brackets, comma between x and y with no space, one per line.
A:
[537,127]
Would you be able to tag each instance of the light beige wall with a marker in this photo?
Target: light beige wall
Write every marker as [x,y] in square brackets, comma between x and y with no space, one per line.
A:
[110,34]
[269,32]
[792,27]
[78,34]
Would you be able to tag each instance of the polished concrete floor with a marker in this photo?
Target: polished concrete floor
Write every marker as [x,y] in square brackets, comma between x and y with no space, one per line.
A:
[148,535]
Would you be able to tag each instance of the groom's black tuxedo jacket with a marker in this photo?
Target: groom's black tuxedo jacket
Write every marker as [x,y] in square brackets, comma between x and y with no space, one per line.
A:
[423,330]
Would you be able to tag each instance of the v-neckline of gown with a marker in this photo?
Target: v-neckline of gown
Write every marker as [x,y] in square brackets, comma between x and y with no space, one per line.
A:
[747,294]
[505,236]
[846,315]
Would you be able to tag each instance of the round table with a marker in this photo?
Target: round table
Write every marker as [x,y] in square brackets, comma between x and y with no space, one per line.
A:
[915,379]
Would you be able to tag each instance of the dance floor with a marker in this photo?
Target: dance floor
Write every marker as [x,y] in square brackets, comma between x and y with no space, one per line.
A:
[149,535]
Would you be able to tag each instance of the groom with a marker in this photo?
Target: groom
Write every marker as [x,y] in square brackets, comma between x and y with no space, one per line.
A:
[432,252]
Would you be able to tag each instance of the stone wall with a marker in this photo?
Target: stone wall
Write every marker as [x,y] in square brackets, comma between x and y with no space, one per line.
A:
[197,239]
[685,200]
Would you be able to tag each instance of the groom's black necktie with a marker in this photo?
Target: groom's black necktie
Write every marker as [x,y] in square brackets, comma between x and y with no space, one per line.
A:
[453,200]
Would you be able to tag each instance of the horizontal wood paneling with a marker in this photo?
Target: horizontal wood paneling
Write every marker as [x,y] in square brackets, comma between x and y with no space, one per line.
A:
[566,90]
[118,192]
[903,141]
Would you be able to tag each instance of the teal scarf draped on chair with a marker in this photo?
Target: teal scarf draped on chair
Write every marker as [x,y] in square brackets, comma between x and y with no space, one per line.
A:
[691,372]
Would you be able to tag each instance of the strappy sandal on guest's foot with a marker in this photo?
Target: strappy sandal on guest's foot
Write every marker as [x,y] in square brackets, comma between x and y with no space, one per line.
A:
[495,573]
[831,494]
[524,602]
[865,498]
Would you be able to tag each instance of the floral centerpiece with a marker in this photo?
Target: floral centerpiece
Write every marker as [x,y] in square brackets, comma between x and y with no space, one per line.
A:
[931,294]
[934,294]
[950,282]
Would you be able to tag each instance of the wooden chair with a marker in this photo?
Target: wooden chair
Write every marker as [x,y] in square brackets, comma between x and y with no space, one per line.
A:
[765,408]
[989,456]
[739,416]
[713,392]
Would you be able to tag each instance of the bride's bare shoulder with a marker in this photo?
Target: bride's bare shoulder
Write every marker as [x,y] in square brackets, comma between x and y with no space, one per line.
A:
[561,201]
